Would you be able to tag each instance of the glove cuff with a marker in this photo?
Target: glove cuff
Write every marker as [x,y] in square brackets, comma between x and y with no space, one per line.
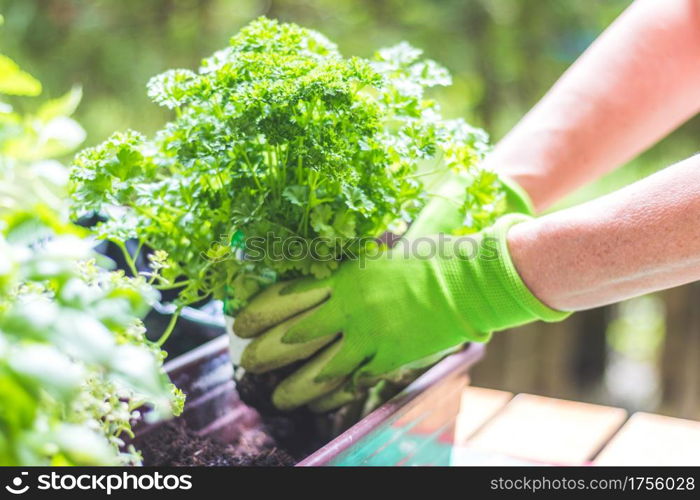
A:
[510,280]
[516,197]
[496,297]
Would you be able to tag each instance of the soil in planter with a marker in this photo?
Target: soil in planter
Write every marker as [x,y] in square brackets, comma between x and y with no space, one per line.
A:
[281,438]
[302,431]
[299,432]
[174,444]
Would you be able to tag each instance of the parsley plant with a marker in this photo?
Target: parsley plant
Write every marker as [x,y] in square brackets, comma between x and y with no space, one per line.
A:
[276,137]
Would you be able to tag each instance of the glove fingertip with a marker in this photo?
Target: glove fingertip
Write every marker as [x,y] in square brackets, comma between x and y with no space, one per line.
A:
[345,394]
[249,324]
[340,366]
[301,332]
[320,322]
[272,307]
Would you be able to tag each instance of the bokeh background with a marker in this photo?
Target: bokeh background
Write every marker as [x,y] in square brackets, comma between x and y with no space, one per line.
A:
[503,54]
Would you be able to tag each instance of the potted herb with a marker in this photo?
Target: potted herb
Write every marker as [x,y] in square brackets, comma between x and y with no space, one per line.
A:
[283,158]
[277,140]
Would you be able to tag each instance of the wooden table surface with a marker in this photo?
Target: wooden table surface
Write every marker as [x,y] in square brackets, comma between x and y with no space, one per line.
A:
[497,427]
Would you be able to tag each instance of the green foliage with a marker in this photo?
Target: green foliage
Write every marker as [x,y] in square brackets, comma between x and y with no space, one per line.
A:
[276,137]
[484,202]
[46,133]
[74,360]
[14,81]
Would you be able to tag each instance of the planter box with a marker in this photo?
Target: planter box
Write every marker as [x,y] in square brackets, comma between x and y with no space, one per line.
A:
[416,427]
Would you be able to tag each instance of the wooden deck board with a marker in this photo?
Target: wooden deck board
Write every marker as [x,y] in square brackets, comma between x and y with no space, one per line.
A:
[547,430]
[648,439]
[478,405]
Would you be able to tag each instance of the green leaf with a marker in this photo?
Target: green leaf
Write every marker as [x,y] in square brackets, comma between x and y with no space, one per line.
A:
[61,106]
[48,367]
[297,195]
[344,224]
[356,199]
[320,220]
[14,81]
[83,446]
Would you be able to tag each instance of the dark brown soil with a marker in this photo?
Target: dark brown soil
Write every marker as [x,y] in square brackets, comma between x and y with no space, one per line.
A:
[300,432]
[173,444]
[256,390]
[281,438]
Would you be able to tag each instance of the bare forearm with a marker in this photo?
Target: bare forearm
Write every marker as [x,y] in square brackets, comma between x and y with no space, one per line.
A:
[636,83]
[643,238]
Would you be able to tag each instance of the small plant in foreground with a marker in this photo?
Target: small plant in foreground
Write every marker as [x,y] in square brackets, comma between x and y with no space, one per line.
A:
[74,362]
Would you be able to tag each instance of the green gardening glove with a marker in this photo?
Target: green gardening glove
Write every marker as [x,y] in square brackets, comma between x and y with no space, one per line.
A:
[443,214]
[374,317]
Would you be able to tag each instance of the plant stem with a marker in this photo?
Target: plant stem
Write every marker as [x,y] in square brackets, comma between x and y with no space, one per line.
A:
[169,329]
[127,257]
[173,285]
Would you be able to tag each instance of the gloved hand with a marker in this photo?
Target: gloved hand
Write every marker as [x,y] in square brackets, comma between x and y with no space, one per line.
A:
[374,317]
[442,214]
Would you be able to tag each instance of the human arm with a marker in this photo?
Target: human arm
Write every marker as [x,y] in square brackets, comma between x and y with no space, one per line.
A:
[642,238]
[638,81]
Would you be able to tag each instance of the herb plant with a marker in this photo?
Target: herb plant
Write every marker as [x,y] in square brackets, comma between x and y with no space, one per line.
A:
[74,361]
[276,138]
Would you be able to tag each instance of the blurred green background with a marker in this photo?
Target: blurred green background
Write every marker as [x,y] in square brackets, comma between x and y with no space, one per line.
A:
[503,54]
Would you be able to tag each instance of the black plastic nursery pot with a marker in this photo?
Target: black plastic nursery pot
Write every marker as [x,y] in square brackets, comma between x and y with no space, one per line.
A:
[415,427]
